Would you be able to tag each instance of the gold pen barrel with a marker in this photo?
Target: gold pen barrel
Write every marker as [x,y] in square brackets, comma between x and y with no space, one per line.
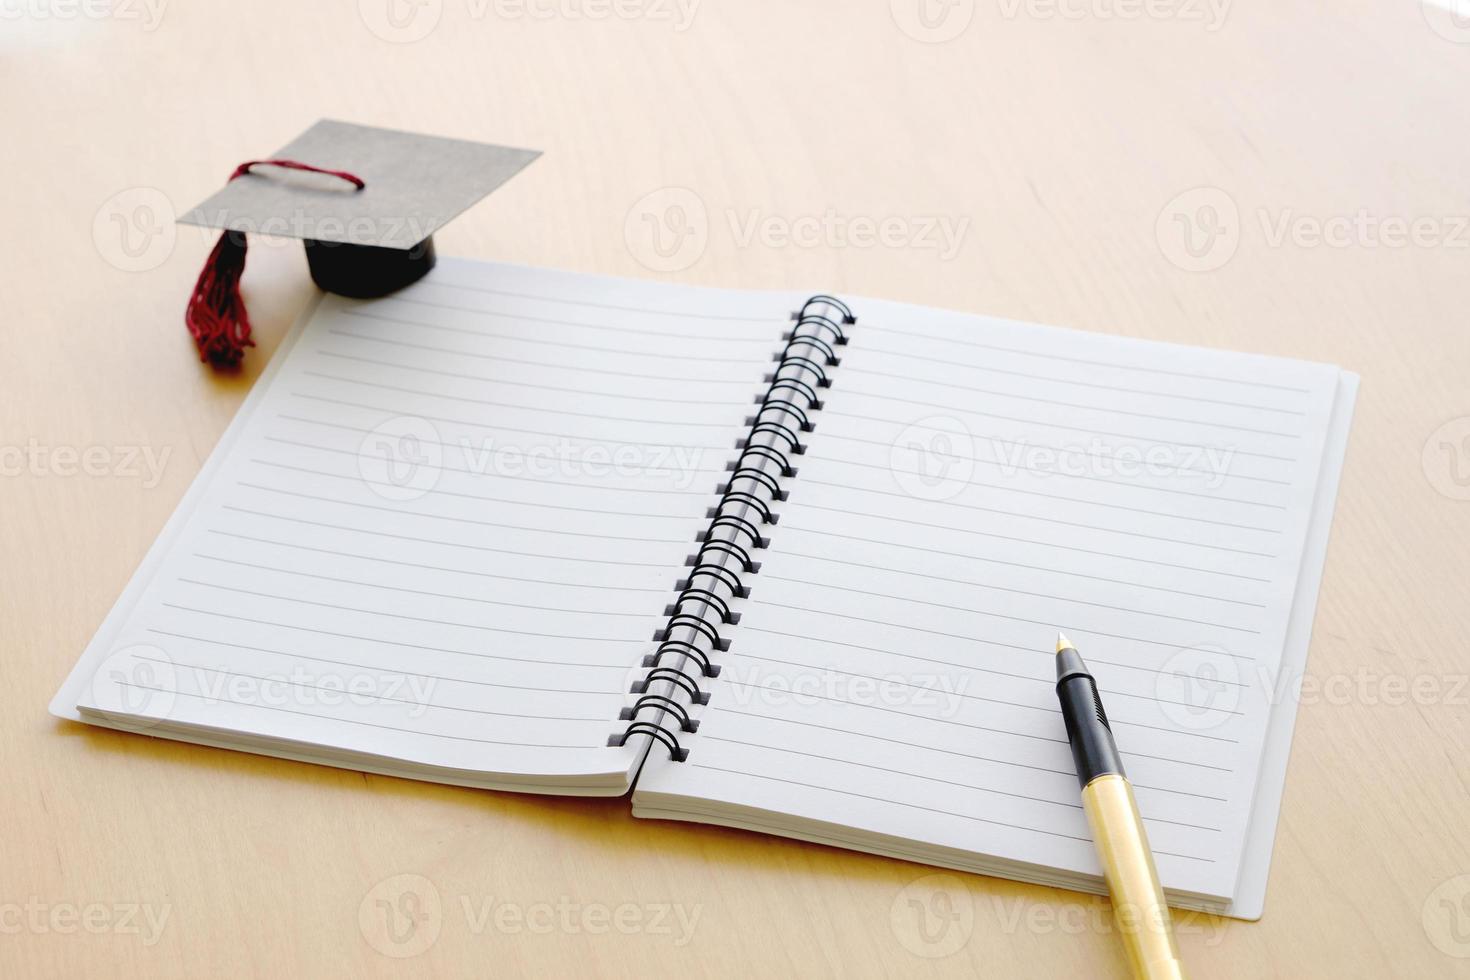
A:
[1138,901]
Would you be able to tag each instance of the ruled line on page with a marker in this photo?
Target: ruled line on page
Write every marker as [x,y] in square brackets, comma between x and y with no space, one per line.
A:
[482,355]
[942,812]
[382,698]
[998,588]
[870,328]
[254,648]
[445,595]
[558,366]
[1081,501]
[1063,475]
[683,314]
[996,561]
[516,338]
[857,369]
[408,646]
[973,697]
[489,426]
[561,611]
[1049,520]
[460,520]
[1194,763]
[949,663]
[1030,541]
[483,498]
[1175,419]
[526,580]
[1049,682]
[1070,774]
[518,317]
[520,743]
[1069,628]
[1136,437]
[580,392]
[420,540]
[828,435]
[511,477]
[1065,804]
[539,410]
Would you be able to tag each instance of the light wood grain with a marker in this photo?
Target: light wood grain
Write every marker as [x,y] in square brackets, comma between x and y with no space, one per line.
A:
[1060,141]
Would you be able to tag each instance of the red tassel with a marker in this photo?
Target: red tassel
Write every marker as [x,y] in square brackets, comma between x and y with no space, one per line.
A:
[216,315]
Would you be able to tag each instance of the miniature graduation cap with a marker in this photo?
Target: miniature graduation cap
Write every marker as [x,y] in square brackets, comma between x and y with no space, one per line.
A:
[365,201]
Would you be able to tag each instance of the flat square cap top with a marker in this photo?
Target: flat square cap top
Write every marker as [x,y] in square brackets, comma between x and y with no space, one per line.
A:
[414,186]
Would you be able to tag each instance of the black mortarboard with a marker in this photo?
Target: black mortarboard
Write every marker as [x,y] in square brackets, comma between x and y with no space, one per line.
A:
[365,201]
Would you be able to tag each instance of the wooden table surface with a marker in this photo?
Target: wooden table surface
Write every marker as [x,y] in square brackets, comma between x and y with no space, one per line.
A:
[1263,176]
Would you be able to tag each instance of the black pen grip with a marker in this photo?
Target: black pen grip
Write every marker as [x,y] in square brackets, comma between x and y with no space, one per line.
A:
[1088,731]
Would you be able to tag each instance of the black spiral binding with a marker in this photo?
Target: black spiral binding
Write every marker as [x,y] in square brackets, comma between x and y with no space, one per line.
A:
[690,639]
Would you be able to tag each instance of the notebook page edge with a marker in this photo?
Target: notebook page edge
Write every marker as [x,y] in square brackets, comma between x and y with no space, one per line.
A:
[64,702]
[1250,893]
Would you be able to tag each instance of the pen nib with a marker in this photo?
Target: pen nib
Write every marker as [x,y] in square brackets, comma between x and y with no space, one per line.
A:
[1063,643]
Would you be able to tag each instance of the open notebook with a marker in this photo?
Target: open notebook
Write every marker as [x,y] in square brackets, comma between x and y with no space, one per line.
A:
[801,560]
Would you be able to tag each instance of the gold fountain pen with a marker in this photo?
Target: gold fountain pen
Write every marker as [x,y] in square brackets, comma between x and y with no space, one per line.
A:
[1117,829]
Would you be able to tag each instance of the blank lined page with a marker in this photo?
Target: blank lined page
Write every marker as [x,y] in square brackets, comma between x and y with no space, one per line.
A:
[445,527]
[972,487]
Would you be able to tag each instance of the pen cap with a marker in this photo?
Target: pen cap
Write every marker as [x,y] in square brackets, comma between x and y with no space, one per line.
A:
[365,202]
[1088,732]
